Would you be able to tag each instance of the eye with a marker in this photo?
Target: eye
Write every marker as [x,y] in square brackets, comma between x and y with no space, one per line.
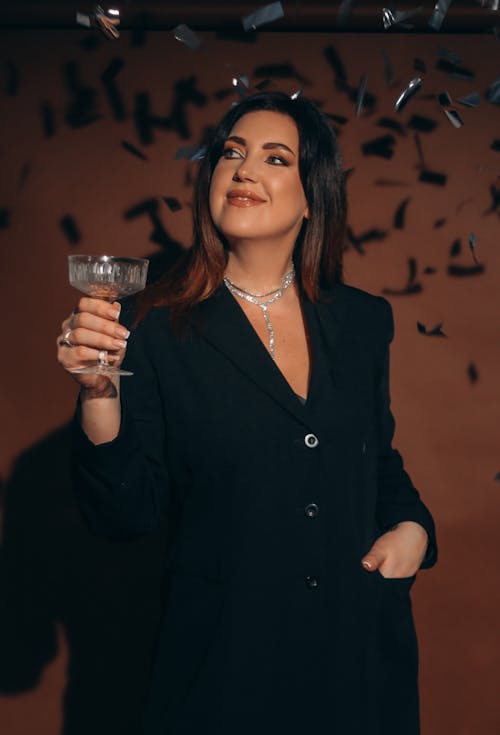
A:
[277,161]
[228,153]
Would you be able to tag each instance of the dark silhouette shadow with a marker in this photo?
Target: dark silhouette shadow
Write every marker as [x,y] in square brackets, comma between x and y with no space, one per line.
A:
[106,595]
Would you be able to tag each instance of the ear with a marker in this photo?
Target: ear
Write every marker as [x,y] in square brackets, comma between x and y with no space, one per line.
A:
[306,213]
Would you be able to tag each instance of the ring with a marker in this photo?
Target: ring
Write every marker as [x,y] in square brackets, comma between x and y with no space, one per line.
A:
[101,356]
[65,341]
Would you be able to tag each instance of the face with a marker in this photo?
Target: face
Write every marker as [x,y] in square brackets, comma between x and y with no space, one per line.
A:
[256,192]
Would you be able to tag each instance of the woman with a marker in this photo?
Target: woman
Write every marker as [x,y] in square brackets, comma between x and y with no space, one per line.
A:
[258,418]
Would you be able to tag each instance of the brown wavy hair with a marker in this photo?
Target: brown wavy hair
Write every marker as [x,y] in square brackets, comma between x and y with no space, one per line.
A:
[318,250]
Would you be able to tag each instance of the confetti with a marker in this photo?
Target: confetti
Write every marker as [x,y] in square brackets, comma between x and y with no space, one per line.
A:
[422,124]
[444,99]
[439,223]
[493,93]
[434,332]
[107,21]
[388,122]
[172,203]
[433,177]
[409,90]
[266,14]
[453,117]
[191,152]
[344,12]
[495,146]
[391,17]
[388,70]
[471,100]
[382,147]
[360,94]
[461,271]
[135,151]
[373,235]
[4,218]
[185,35]
[399,217]
[472,246]
[70,229]
[439,14]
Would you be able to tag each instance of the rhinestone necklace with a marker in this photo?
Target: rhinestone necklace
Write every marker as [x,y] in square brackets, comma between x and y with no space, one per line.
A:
[286,281]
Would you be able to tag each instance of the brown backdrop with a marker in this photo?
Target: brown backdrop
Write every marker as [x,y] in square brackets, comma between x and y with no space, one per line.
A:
[78,615]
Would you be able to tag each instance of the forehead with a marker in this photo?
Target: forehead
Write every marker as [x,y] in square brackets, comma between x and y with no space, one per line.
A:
[262,126]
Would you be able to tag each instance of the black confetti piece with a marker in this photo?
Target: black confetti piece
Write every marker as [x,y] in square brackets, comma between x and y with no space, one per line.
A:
[399,217]
[131,148]
[48,119]
[336,64]
[372,235]
[497,477]
[266,14]
[82,110]
[172,203]
[382,147]
[185,93]
[337,118]
[12,80]
[495,199]
[495,146]
[433,177]
[444,99]
[471,100]
[388,122]
[454,70]
[422,124]
[360,95]
[429,270]
[434,332]
[439,223]
[149,207]
[70,229]
[465,271]
[113,94]
[4,218]
[455,248]
[413,286]
[449,55]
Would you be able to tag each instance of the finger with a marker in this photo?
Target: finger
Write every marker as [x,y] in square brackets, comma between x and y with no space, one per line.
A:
[89,338]
[99,307]
[373,559]
[99,324]
[81,356]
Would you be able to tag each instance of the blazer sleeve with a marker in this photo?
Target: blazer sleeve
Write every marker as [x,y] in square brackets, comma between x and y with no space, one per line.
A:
[397,499]
[122,485]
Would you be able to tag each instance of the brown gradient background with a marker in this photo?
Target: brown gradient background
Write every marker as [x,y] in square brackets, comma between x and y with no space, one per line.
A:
[79,615]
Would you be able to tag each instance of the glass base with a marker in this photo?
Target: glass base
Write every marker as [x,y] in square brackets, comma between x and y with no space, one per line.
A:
[100,370]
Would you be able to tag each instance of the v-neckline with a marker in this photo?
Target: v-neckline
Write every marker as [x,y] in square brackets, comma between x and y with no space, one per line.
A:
[308,315]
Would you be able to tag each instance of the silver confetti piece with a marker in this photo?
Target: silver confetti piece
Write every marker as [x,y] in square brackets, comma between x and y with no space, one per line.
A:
[360,94]
[439,14]
[83,20]
[296,94]
[191,152]
[409,90]
[453,117]
[391,17]
[266,14]
[185,35]
[471,100]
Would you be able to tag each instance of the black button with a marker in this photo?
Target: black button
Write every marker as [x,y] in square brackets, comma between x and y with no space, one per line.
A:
[312,582]
[311,510]
[311,441]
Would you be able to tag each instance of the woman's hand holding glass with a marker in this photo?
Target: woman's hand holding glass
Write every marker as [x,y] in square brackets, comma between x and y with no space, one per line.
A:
[91,329]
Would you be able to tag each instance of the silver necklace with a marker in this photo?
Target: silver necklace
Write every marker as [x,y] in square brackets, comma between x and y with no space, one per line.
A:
[286,281]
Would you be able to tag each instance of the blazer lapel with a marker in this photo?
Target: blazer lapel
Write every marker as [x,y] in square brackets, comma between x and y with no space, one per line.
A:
[223,323]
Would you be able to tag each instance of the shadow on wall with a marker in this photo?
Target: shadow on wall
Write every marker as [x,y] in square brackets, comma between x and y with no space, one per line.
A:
[106,595]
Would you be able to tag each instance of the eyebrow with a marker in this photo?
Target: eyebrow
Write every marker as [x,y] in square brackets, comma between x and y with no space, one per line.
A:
[266,146]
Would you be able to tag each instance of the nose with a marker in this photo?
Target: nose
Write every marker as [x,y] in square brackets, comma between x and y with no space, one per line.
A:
[246,171]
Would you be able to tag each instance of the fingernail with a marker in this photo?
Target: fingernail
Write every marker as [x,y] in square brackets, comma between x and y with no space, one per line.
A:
[122,332]
[367,564]
[120,343]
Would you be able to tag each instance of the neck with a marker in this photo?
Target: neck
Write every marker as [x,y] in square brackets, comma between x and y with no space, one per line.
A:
[255,269]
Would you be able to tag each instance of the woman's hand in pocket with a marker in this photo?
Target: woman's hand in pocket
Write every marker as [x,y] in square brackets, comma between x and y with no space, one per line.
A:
[398,552]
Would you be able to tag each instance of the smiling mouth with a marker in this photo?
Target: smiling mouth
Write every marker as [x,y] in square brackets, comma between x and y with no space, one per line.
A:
[242,201]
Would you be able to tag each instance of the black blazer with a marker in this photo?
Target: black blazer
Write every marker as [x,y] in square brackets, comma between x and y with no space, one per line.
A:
[271,624]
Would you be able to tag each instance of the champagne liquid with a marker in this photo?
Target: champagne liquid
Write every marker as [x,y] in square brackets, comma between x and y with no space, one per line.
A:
[107,291]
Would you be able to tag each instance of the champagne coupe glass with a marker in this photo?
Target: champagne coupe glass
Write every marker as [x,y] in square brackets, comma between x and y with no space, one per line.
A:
[106,277]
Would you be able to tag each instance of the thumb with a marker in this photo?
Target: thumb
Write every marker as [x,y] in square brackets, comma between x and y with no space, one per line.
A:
[373,559]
